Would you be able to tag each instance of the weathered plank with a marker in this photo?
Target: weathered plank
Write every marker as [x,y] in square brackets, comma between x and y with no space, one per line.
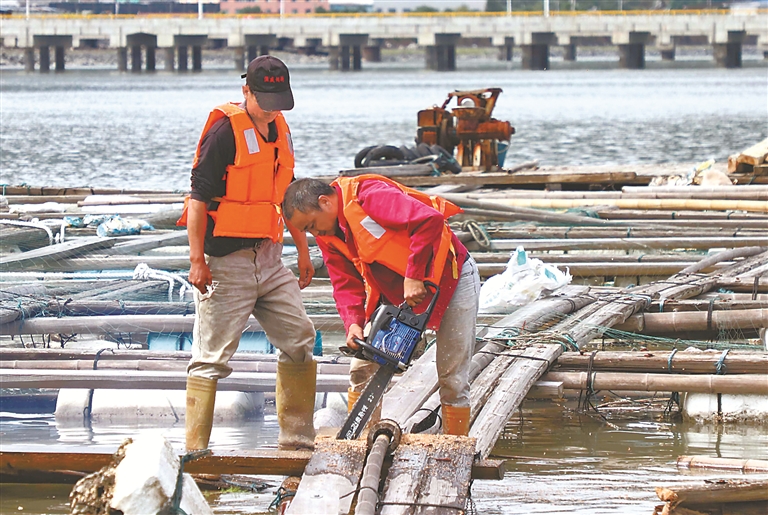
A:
[330,480]
[430,474]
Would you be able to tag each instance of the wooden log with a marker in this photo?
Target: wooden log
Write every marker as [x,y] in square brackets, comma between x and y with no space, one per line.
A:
[440,488]
[259,462]
[419,383]
[736,362]
[678,322]
[753,156]
[507,391]
[736,284]
[52,253]
[151,380]
[723,491]
[756,384]
[708,462]
[525,177]
[727,255]
[717,303]
[328,484]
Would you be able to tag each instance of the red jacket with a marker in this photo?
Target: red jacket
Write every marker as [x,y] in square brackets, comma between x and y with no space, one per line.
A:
[392,209]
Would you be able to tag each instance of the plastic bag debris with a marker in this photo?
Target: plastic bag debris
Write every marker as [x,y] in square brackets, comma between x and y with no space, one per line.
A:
[117,226]
[523,281]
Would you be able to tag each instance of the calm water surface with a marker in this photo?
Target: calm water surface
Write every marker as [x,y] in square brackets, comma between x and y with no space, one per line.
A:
[103,128]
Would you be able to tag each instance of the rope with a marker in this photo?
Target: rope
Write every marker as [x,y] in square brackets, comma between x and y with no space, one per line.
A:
[674,398]
[282,494]
[720,367]
[176,499]
[89,406]
[478,233]
[143,272]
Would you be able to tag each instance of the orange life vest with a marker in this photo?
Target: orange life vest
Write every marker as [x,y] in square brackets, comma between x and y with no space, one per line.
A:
[256,181]
[374,243]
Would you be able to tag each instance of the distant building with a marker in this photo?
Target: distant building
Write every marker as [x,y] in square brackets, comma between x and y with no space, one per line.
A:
[346,6]
[273,6]
[440,5]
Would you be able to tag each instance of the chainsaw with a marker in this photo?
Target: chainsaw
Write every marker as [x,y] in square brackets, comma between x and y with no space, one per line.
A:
[395,331]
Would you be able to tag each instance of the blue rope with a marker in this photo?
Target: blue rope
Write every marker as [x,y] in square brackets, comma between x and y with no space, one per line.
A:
[669,361]
[720,367]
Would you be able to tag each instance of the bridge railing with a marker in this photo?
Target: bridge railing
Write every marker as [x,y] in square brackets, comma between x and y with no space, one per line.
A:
[454,14]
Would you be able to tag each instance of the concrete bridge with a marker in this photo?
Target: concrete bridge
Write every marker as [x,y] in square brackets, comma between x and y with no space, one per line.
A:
[349,38]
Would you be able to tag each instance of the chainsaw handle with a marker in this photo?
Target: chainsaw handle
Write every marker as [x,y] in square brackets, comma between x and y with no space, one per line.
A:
[436,289]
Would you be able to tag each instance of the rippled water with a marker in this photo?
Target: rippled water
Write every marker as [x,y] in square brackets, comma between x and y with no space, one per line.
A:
[102,128]
[560,461]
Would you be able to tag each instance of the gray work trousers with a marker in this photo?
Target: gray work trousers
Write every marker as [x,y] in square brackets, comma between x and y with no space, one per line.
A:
[455,343]
[249,281]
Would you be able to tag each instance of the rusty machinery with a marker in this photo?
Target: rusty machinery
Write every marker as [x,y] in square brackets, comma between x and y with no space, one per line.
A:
[468,128]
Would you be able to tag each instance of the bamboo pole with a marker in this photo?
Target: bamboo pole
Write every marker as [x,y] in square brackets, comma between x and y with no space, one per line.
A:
[627,243]
[714,492]
[753,206]
[736,362]
[727,255]
[756,384]
[708,462]
[633,214]
[678,322]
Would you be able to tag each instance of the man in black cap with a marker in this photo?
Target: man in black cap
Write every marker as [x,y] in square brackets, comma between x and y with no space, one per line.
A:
[243,165]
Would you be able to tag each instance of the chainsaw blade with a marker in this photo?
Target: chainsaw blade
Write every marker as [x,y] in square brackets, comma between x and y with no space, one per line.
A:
[363,408]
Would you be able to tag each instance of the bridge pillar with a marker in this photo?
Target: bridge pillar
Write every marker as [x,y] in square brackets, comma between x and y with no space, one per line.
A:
[252,52]
[29,59]
[570,52]
[170,58]
[632,56]
[506,46]
[45,59]
[59,58]
[183,59]
[333,58]
[151,59]
[506,52]
[727,48]
[728,55]
[263,50]
[357,58]
[239,58]
[372,53]
[344,58]
[135,58]
[122,59]
[667,52]
[197,58]
[535,57]
[441,58]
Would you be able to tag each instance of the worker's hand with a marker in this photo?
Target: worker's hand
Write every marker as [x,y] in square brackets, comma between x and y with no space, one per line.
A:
[200,275]
[354,331]
[414,291]
[306,270]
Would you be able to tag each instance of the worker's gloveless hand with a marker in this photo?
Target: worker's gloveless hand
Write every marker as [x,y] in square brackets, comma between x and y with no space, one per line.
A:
[414,291]
[306,270]
[354,331]
[200,275]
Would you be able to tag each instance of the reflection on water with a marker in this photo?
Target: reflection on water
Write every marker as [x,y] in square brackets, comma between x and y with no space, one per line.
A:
[108,129]
[560,461]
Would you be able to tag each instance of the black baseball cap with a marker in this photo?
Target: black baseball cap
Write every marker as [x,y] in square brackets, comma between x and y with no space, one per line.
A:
[270,82]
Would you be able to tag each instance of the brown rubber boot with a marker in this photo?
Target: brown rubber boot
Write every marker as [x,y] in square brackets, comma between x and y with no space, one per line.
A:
[456,420]
[295,402]
[201,396]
